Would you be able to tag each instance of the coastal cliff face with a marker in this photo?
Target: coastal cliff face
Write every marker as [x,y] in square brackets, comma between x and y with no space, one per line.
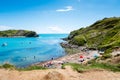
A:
[103,34]
[18,33]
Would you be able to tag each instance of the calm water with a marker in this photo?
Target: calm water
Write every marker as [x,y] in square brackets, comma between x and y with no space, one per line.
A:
[25,51]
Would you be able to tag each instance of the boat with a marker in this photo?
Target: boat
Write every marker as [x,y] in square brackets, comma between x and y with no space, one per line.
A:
[4,44]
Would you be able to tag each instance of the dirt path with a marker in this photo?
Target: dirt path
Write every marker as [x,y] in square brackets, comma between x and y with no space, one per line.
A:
[58,74]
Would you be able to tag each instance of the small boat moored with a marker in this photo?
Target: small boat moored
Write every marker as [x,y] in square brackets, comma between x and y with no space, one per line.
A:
[4,44]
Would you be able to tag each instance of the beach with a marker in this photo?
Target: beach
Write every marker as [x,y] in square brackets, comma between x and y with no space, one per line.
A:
[80,58]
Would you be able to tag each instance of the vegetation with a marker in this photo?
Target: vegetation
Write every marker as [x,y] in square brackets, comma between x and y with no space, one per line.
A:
[77,67]
[32,68]
[103,34]
[78,40]
[93,65]
[107,54]
[14,33]
[10,66]
[71,50]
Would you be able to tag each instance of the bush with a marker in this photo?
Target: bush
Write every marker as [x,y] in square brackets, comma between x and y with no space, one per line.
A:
[8,66]
[78,40]
[106,56]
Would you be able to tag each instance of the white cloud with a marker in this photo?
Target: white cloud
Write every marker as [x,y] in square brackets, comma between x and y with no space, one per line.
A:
[56,29]
[66,9]
[2,27]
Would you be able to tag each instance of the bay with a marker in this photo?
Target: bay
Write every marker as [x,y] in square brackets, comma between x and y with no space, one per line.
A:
[23,52]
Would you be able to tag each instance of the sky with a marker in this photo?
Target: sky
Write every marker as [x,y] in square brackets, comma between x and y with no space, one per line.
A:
[55,16]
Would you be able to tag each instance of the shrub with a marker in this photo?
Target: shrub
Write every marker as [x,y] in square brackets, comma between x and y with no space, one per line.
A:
[78,40]
[118,65]
[106,56]
[8,66]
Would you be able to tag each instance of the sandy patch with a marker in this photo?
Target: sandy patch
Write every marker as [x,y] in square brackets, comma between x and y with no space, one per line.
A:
[58,74]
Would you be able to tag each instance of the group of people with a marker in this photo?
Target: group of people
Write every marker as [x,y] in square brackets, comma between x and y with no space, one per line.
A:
[79,58]
[89,55]
[53,63]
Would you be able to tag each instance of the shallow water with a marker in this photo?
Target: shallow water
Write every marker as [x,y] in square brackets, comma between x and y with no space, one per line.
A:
[23,52]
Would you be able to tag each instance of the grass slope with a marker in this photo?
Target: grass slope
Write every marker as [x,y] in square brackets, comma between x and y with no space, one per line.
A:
[93,66]
[103,34]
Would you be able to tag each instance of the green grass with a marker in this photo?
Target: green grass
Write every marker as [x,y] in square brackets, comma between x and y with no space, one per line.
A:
[71,50]
[94,65]
[105,66]
[107,54]
[32,68]
[78,40]
[10,66]
[77,67]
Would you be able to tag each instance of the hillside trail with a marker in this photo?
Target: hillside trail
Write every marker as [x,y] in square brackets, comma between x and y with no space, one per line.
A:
[58,74]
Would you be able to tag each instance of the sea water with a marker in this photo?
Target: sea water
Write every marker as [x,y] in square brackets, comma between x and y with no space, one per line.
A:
[23,52]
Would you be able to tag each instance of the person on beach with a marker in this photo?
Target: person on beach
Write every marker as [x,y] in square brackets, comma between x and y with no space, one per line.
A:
[81,58]
[34,57]
[52,58]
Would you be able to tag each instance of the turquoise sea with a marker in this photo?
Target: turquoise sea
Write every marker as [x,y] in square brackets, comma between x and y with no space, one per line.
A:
[23,52]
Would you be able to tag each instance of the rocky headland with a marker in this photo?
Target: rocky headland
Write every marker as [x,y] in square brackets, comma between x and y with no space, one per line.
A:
[18,33]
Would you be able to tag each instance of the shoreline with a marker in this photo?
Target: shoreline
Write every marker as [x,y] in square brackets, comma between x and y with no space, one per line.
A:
[69,58]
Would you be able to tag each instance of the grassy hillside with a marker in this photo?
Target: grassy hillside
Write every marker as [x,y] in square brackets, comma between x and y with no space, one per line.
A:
[103,34]
[12,33]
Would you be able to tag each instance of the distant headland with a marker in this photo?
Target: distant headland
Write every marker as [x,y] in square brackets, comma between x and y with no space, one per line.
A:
[18,33]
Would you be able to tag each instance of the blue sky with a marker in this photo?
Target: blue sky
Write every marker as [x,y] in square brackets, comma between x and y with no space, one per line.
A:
[54,16]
